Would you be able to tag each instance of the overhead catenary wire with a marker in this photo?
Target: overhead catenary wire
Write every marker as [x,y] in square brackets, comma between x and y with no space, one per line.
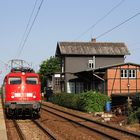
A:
[108,31]
[100,19]
[25,40]
[27,26]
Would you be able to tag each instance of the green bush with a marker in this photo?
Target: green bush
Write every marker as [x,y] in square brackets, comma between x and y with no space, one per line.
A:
[92,101]
[65,99]
[89,101]
[134,117]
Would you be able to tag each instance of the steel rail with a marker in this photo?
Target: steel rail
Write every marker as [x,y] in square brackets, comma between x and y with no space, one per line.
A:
[85,126]
[45,130]
[19,131]
[130,133]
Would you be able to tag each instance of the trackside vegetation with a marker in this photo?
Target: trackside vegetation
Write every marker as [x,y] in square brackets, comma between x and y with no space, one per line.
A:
[90,101]
[134,115]
[48,66]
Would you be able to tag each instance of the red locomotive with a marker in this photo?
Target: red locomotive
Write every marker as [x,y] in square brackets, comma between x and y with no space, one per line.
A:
[21,92]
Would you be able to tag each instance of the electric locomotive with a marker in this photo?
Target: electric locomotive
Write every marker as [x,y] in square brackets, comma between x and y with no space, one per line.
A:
[21,92]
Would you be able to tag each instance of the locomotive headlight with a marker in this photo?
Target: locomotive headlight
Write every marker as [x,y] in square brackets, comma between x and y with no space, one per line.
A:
[34,96]
[23,73]
[12,96]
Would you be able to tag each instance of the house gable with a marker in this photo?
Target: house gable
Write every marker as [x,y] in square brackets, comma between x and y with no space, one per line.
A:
[123,79]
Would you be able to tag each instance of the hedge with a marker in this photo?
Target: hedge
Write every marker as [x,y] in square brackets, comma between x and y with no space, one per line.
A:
[90,101]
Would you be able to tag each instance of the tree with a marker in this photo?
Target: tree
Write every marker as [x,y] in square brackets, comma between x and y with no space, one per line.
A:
[49,66]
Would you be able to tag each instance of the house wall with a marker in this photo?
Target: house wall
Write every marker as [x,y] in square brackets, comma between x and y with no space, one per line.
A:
[74,64]
[108,60]
[122,86]
[80,63]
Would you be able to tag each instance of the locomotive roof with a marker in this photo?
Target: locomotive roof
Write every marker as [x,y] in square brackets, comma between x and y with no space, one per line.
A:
[22,69]
[21,73]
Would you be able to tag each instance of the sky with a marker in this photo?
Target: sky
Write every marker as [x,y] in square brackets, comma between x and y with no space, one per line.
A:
[65,20]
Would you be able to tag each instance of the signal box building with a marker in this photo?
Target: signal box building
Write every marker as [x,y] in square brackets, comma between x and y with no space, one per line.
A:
[80,61]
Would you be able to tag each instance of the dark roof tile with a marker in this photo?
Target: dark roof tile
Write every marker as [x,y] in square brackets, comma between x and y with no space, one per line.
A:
[91,48]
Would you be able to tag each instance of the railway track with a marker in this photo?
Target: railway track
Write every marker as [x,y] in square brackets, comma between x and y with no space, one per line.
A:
[19,131]
[24,135]
[105,130]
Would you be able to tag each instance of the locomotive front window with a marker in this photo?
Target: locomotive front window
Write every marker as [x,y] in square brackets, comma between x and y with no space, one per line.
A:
[14,80]
[32,80]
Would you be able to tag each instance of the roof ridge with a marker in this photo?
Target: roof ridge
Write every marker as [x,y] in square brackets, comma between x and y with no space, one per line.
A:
[92,42]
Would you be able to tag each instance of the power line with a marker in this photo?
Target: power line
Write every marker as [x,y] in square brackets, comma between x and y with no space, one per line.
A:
[27,25]
[25,40]
[100,19]
[118,25]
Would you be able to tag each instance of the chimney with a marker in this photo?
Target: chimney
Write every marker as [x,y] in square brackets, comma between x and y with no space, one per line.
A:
[93,40]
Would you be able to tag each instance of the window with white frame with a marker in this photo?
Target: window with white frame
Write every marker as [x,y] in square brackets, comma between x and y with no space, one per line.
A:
[132,73]
[125,73]
[91,63]
[57,81]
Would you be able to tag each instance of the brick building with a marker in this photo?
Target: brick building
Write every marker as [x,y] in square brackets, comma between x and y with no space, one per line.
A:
[114,80]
